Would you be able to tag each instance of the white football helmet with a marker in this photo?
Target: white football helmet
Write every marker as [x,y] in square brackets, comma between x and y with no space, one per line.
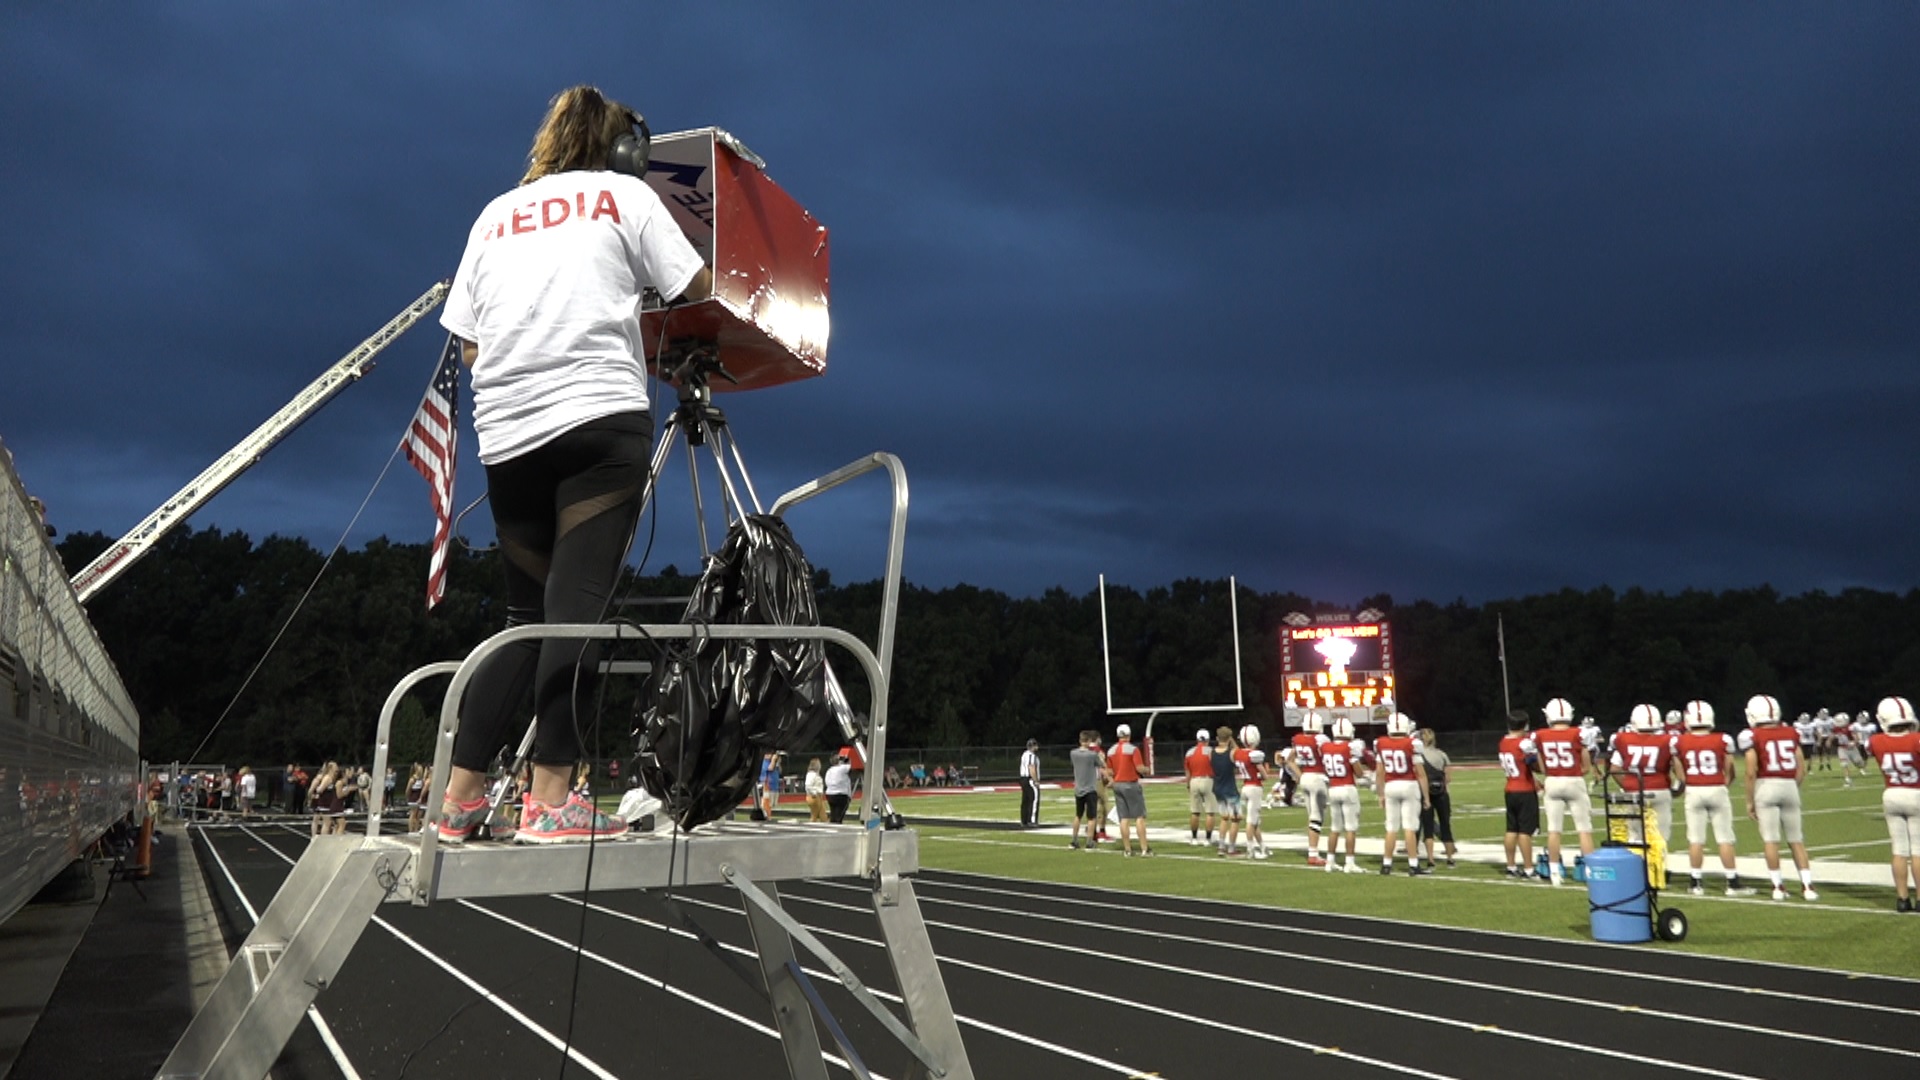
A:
[1342,728]
[1673,718]
[1646,718]
[1699,716]
[1804,718]
[1313,723]
[1249,736]
[1202,736]
[1399,724]
[1896,715]
[1762,710]
[1559,711]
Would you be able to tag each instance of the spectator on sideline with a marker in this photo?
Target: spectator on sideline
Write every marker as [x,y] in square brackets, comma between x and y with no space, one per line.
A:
[817,791]
[1089,768]
[1200,800]
[1126,763]
[1436,818]
[1226,789]
[419,778]
[839,786]
[322,796]
[770,785]
[1029,784]
[244,787]
[297,781]
[1106,790]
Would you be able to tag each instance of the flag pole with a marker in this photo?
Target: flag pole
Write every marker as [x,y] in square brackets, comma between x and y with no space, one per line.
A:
[1506,693]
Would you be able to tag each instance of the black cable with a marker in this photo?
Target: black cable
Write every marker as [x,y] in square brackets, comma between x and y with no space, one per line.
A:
[600,698]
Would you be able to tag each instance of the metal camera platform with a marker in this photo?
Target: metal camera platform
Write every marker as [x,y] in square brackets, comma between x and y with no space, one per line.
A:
[297,948]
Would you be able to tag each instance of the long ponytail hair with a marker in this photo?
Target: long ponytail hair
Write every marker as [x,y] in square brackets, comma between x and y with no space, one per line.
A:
[578,132]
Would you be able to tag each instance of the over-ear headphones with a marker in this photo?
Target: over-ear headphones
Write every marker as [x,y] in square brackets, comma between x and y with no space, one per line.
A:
[631,150]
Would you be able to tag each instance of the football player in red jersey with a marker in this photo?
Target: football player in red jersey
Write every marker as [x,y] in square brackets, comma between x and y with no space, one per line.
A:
[1774,771]
[1402,785]
[1341,757]
[1199,764]
[1706,757]
[1896,749]
[1250,763]
[1519,762]
[1562,759]
[1642,764]
[1303,760]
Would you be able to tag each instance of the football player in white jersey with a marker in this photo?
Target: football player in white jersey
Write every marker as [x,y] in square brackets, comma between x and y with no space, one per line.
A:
[1823,739]
[1803,730]
[1590,742]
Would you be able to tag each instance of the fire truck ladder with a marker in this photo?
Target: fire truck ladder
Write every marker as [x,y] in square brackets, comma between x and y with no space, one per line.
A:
[128,550]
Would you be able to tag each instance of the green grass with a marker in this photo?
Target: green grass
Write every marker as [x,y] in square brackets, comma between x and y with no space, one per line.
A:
[1849,929]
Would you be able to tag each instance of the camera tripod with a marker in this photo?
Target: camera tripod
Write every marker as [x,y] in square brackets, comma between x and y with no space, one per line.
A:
[688,364]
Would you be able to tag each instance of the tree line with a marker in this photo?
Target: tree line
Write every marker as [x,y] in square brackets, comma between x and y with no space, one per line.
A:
[188,628]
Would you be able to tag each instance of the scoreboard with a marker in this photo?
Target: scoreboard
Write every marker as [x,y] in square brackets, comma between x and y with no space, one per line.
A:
[1342,667]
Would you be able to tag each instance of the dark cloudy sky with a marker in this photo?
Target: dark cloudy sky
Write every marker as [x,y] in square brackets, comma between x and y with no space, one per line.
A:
[1437,300]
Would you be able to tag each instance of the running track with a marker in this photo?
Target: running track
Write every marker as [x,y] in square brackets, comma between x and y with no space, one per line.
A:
[1058,982]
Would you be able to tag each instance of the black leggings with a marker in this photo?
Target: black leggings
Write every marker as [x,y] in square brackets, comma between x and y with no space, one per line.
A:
[564,513]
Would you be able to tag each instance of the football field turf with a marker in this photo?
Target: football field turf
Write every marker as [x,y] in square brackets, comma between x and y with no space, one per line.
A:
[1852,927]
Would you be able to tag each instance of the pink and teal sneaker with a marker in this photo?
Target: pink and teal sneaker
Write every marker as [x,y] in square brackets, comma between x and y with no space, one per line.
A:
[572,822]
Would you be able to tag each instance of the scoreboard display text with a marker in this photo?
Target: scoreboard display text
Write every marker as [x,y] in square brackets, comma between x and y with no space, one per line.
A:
[1346,666]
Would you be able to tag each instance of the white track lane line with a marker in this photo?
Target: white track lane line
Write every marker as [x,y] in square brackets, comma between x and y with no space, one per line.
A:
[828,977]
[473,984]
[1471,984]
[1107,998]
[1485,1028]
[1634,976]
[656,983]
[623,969]
[319,1023]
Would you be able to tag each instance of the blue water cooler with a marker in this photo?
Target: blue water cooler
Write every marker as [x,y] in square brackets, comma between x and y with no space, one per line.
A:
[1617,896]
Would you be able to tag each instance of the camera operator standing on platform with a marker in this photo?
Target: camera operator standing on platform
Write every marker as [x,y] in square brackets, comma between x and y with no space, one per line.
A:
[546,305]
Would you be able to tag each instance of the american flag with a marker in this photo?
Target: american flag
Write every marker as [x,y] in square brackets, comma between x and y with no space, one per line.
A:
[429,445]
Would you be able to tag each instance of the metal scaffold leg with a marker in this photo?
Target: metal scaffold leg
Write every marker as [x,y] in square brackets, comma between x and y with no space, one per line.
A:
[291,955]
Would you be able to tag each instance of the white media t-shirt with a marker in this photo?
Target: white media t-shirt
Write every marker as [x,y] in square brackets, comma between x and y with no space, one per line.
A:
[549,289]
